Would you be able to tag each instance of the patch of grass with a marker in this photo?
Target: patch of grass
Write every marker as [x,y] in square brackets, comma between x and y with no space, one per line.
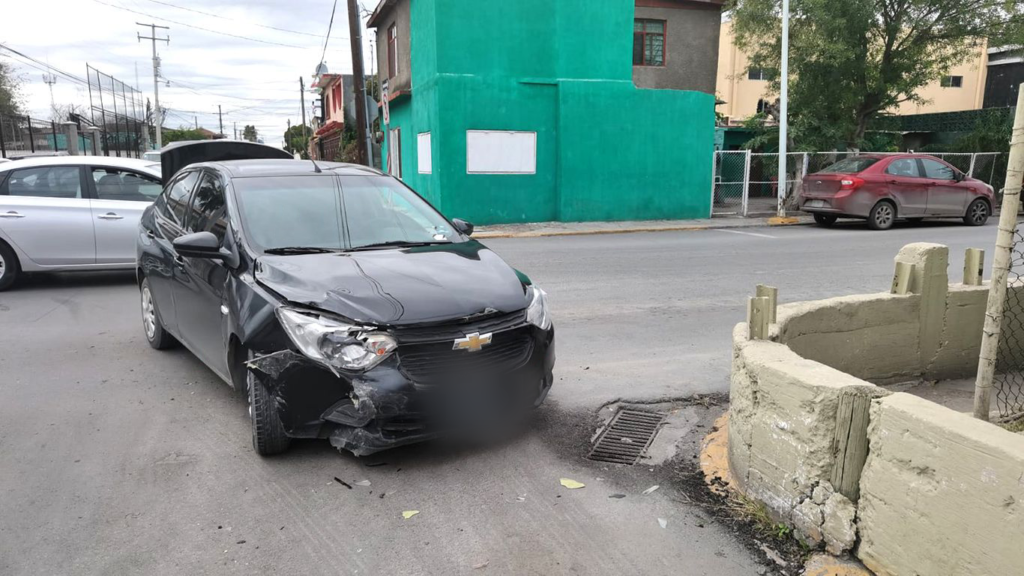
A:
[1017,426]
[757,514]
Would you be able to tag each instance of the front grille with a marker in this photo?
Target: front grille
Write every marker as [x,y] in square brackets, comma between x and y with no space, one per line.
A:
[450,331]
[435,362]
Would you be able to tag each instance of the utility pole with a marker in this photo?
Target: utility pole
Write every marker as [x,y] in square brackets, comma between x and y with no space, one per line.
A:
[50,80]
[355,32]
[235,126]
[156,78]
[196,118]
[221,116]
[783,110]
[302,97]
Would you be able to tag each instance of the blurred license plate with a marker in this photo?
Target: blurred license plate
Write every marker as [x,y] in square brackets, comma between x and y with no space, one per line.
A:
[816,204]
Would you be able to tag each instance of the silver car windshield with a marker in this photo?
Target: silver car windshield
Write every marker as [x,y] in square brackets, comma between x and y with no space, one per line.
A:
[313,212]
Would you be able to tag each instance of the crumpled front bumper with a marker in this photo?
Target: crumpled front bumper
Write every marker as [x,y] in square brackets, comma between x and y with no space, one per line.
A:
[384,407]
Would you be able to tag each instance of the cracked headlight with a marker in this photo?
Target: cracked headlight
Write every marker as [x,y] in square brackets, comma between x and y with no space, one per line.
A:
[537,310]
[333,343]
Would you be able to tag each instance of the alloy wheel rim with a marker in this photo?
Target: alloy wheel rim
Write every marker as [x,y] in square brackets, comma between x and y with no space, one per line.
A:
[3,266]
[979,213]
[148,313]
[883,216]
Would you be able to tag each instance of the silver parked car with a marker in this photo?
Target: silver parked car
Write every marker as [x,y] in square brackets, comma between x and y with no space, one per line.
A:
[72,213]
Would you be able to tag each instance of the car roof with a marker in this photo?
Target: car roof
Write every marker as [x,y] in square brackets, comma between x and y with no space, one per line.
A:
[146,166]
[264,168]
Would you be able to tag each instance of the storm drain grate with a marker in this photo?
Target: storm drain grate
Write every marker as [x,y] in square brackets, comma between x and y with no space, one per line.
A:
[627,437]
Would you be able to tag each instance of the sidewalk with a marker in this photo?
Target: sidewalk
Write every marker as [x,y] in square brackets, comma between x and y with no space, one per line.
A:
[539,229]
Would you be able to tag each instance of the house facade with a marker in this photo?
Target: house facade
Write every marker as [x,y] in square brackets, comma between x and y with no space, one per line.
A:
[327,136]
[527,111]
[675,44]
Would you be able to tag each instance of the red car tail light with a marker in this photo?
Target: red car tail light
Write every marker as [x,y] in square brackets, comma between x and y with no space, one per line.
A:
[850,183]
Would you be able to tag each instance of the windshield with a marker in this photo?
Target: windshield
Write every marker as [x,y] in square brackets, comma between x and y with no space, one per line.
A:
[311,212]
[850,166]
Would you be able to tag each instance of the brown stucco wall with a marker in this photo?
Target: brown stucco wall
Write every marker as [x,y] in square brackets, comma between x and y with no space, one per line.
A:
[400,14]
[691,48]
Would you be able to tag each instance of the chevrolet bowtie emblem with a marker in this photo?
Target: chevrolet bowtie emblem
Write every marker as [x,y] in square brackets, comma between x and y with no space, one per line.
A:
[472,342]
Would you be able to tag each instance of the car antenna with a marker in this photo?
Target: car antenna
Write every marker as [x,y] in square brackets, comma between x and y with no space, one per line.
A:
[315,167]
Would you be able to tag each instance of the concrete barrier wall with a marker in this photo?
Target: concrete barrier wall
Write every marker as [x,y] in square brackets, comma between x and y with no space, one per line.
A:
[941,492]
[800,439]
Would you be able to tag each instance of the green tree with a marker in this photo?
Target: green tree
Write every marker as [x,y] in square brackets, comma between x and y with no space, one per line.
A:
[10,93]
[296,139]
[249,133]
[182,133]
[853,60]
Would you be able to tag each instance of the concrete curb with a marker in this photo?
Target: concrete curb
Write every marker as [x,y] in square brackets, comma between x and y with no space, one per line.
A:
[631,230]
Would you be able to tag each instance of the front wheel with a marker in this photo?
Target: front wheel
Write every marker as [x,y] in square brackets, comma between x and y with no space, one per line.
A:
[882,216]
[156,335]
[268,436]
[977,213]
[825,220]
[8,267]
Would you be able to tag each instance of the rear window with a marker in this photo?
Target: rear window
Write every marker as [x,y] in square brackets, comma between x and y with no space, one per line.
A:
[850,166]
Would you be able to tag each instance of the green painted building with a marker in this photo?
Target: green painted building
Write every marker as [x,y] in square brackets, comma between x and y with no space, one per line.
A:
[526,111]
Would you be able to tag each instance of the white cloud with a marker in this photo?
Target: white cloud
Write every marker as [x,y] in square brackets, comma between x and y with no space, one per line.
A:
[253,82]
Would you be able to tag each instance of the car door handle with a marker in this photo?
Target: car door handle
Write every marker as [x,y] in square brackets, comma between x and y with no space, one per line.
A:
[110,216]
[11,214]
[179,260]
[150,234]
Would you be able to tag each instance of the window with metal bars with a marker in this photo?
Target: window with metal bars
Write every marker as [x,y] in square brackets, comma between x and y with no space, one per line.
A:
[649,42]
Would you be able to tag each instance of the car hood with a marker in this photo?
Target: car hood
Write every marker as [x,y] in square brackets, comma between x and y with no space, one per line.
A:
[397,286]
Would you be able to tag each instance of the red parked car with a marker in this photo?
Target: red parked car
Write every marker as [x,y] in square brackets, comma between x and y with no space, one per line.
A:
[884,188]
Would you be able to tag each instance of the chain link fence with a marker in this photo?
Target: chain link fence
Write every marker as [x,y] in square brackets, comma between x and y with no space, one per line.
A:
[746,183]
[1008,380]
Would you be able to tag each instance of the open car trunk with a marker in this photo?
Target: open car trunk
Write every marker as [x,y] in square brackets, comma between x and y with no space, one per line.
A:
[178,155]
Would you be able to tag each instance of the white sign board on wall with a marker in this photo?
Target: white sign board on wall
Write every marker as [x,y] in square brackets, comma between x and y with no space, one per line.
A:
[424,159]
[501,152]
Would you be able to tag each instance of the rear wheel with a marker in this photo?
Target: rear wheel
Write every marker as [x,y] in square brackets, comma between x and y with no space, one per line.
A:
[268,436]
[157,337]
[882,216]
[8,267]
[825,220]
[977,213]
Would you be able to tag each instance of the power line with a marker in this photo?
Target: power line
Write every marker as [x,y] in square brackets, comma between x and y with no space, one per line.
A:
[328,37]
[201,28]
[51,68]
[233,20]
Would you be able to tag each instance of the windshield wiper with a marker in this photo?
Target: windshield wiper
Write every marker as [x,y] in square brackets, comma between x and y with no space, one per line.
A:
[288,250]
[397,244]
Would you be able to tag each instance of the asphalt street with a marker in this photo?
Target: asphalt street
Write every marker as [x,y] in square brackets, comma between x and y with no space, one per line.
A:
[118,459]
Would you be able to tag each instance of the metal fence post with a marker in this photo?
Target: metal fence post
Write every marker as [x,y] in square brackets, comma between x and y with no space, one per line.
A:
[3,147]
[31,136]
[746,182]
[53,129]
[714,173]
[970,171]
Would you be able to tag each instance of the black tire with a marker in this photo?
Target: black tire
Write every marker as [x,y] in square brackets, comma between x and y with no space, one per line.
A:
[882,216]
[825,220]
[154,330]
[977,213]
[915,221]
[268,435]
[9,268]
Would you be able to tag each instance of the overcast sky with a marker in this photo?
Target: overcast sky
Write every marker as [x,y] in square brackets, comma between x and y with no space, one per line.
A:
[254,79]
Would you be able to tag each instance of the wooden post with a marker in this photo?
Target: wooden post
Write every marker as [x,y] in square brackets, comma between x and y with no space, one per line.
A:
[772,294]
[1001,262]
[901,279]
[850,443]
[974,266]
[757,318]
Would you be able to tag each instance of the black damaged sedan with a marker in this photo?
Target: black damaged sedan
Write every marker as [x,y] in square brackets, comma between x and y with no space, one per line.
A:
[342,302]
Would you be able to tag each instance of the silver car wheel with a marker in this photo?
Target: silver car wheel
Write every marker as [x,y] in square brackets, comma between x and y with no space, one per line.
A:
[148,313]
[3,266]
[979,213]
[883,216]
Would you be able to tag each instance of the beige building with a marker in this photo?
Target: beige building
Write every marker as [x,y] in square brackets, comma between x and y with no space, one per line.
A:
[745,90]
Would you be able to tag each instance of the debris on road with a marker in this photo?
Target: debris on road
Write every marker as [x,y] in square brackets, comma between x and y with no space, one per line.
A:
[382,495]
[662,522]
[409,513]
[481,565]
[240,542]
[617,496]
[375,464]
[363,483]
[571,484]
[342,482]
[651,489]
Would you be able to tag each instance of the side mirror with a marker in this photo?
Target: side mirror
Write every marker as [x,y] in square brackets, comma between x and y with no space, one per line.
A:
[959,176]
[462,226]
[198,245]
